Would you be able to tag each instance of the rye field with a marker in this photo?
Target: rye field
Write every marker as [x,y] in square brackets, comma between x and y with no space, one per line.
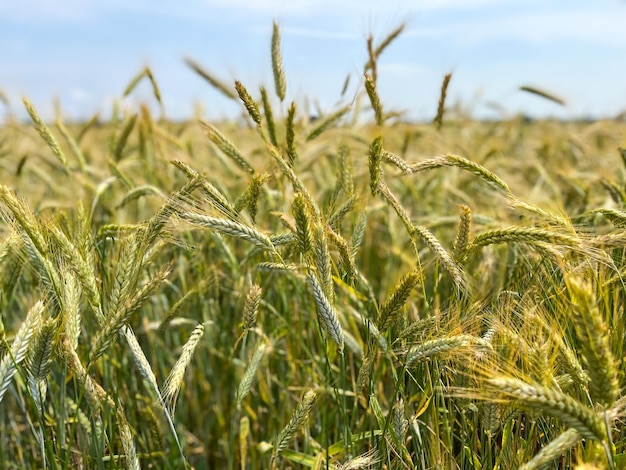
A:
[276,291]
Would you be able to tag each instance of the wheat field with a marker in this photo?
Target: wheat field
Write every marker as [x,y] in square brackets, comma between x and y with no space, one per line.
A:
[352,291]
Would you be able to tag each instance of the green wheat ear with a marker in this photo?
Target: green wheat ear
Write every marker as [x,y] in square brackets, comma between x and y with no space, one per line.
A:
[73,144]
[174,381]
[461,241]
[375,51]
[489,177]
[249,103]
[328,122]
[593,332]
[214,196]
[255,189]
[290,135]
[397,299]
[251,308]
[295,423]
[269,117]
[442,101]
[280,83]
[347,260]
[211,79]
[250,372]
[227,147]
[24,339]
[375,158]
[554,403]
[346,177]
[121,141]
[322,261]
[45,134]
[302,215]
[553,450]
[326,312]
[377,106]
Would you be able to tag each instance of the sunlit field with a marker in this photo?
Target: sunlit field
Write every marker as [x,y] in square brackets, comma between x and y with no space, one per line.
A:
[311,288]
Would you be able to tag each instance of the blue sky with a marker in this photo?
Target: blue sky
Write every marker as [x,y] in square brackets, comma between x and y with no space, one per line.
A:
[85,52]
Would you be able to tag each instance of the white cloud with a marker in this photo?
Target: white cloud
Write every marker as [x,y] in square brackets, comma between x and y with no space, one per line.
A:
[318,33]
[362,7]
[591,24]
[402,70]
[77,10]
[80,95]
[40,10]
